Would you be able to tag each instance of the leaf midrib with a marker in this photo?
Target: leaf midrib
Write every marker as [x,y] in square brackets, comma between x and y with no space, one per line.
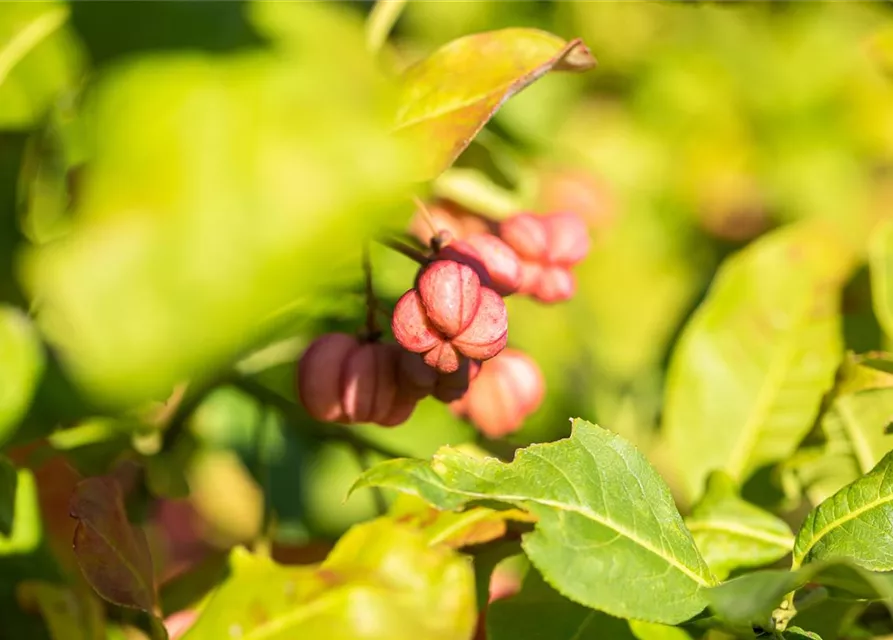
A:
[727,526]
[27,39]
[587,513]
[838,522]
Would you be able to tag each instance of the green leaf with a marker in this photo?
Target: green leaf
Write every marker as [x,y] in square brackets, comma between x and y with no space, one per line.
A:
[732,533]
[21,365]
[448,97]
[538,612]
[68,615]
[748,374]
[853,523]
[113,554]
[608,533]
[756,598]
[38,59]
[653,631]
[796,633]
[381,581]
[221,191]
[20,525]
[854,426]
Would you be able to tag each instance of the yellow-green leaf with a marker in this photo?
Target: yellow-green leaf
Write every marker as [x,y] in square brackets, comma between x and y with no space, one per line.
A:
[448,97]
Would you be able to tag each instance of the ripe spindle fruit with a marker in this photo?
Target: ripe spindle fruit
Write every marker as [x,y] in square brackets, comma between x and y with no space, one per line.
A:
[495,263]
[343,379]
[450,316]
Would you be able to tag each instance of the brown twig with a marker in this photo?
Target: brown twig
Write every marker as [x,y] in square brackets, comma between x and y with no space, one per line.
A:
[406,250]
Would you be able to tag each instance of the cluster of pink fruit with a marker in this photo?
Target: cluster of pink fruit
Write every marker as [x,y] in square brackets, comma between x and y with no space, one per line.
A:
[451,328]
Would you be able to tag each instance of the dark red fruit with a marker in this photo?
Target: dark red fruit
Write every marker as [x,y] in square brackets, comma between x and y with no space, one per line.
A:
[495,263]
[415,377]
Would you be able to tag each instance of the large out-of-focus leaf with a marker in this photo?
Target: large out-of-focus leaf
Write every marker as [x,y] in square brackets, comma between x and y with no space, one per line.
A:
[748,374]
[880,262]
[854,523]
[448,97]
[38,59]
[20,524]
[21,364]
[754,597]
[608,533]
[732,533]
[854,427]
[112,553]
[218,191]
[382,581]
[68,615]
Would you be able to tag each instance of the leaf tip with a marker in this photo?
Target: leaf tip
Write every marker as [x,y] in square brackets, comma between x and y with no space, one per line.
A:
[576,56]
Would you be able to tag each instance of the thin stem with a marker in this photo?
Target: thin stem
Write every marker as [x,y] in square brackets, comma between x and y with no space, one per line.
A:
[372,329]
[381,20]
[406,250]
[261,446]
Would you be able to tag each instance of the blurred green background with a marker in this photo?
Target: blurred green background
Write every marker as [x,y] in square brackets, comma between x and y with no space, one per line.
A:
[185,189]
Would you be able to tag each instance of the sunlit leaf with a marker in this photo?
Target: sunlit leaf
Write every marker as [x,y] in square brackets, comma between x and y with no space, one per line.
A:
[796,633]
[112,553]
[68,615]
[854,523]
[608,534]
[448,97]
[880,262]
[455,529]
[38,59]
[21,364]
[20,524]
[732,533]
[748,374]
[218,191]
[381,581]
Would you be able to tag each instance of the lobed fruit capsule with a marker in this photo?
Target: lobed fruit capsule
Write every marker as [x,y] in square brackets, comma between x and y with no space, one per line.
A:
[417,378]
[508,389]
[341,379]
[450,316]
[496,263]
[449,217]
[548,246]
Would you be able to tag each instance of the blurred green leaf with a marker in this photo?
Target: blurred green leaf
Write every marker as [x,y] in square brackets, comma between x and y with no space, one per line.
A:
[20,524]
[38,60]
[732,533]
[796,633]
[219,191]
[880,262]
[609,550]
[113,554]
[538,612]
[754,597]
[448,97]
[21,365]
[748,374]
[69,615]
[382,580]
[854,523]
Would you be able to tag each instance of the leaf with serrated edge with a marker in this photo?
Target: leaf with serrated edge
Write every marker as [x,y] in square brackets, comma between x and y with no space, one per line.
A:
[448,97]
[608,533]
[382,581]
[748,374]
[853,523]
[732,533]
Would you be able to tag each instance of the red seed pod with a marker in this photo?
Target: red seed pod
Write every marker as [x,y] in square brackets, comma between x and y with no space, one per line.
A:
[508,388]
[496,263]
[450,217]
[526,234]
[568,238]
[340,379]
[556,284]
[419,380]
[450,317]
[319,375]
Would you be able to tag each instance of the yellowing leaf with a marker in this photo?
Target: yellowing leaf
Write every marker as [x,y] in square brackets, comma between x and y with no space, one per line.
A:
[448,97]
[382,581]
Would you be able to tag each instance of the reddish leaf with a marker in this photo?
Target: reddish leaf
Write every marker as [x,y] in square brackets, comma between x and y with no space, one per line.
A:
[447,98]
[113,554]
